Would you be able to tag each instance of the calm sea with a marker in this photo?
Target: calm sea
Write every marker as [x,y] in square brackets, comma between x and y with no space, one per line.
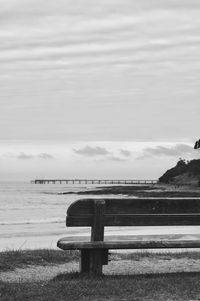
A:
[33,216]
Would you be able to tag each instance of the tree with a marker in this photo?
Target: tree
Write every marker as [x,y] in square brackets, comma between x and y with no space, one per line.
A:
[197,144]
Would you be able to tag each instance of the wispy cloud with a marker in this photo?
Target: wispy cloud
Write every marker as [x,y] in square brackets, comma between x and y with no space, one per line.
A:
[101,153]
[116,158]
[28,156]
[125,152]
[171,151]
[68,31]
[71,47]
[92,151]
[45,156]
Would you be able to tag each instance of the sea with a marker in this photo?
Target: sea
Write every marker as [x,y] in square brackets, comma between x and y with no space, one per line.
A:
[33,216]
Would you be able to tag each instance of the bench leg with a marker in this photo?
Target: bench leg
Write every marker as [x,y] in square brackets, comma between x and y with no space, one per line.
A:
[104,256]
[85,261]
[96,263]
[91,261]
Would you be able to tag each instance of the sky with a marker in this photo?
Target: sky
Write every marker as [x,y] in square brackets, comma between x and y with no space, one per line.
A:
[98,89]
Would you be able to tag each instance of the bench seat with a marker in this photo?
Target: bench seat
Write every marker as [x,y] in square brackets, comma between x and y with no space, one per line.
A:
[129,242]
[128,212]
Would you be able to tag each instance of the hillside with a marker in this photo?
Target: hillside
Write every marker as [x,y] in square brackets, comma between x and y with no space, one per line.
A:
[185,172]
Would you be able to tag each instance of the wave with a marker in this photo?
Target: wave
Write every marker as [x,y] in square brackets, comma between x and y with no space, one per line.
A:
[30,222]
[60,192]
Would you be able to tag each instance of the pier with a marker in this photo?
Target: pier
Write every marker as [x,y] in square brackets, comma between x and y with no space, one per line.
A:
[94,181]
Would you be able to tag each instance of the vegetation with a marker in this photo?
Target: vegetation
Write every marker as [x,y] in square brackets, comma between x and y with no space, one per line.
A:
[188,171]
[9,260]
[179,287]
[72,286]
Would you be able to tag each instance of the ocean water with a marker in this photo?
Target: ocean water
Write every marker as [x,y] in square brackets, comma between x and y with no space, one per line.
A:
[33,216]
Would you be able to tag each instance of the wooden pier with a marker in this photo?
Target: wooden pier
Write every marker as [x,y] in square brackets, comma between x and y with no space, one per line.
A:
[95,181]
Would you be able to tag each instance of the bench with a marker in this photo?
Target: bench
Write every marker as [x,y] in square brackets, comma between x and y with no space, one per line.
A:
[126,212]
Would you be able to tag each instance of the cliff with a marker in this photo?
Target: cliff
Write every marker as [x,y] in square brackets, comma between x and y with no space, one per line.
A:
[183,173]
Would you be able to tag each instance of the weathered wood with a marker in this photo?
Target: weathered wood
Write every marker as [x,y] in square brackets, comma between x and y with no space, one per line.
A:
[97,234]
[84,263]
[137,220]
[96,262]
[127,212]
[132,237]
[136,244]
[104,255]
[137,206]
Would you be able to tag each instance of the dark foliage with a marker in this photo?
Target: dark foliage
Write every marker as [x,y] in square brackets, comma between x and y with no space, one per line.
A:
[191,168]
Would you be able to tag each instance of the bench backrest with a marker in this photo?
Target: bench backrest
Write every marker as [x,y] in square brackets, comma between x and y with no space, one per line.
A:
[134,212]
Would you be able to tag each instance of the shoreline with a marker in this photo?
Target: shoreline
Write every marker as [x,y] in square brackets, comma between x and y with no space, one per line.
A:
[45,235]
[152,190]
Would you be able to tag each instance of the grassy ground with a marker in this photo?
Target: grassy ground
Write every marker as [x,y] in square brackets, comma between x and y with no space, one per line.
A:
[73,287]
[183,286]
[162,287]
[10,260]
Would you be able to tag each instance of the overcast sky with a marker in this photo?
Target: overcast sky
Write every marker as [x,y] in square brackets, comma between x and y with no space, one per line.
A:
[93,88]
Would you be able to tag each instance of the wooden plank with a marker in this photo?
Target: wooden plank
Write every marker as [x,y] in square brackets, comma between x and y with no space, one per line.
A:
[136,244]
[137,220]
[104,254]
[97,234]
[137,206]
[85,206]
[84,264]
[79,221]
[96,262]
[133,237]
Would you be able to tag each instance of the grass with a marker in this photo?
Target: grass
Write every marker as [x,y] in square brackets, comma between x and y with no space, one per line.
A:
[180,286]
[9,260]
[140,255]
[73,286]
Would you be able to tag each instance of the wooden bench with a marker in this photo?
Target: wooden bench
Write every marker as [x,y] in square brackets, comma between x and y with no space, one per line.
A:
[126,212]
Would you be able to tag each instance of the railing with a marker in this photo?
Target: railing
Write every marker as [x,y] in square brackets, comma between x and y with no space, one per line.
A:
[91,181]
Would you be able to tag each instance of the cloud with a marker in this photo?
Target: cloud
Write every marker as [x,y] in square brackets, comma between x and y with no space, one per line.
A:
[72,48]
[45,156]
[53,31]
[103,154]
[171,151]
[26,156]
[116,158]
[92,151]
[125,153]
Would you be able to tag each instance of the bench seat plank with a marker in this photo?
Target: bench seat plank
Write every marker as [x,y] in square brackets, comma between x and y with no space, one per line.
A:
[130,242]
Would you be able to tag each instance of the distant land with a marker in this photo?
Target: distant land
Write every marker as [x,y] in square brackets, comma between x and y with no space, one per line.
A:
[185,172]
